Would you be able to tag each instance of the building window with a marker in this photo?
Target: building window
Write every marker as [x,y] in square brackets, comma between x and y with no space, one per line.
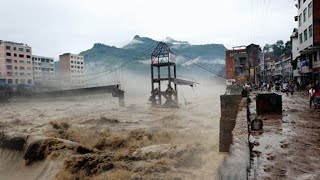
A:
[17,81]
[9,67]
[14,48]
[16,67]
[28,56]
[15,55]
[21,62]
[8,48]
[29,62]
[9,60]
[9,73]
[299,20]
[9,81]
[21,68]
[71,66]
[310,9]
[8,54]
[305,15]
[15,61]
[21,49]
[29,81]
[21,55]
[310,31]
[305,33]
[300,38]
[27,50]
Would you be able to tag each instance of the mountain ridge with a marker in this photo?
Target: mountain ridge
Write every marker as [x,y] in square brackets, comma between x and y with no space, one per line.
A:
[102,55]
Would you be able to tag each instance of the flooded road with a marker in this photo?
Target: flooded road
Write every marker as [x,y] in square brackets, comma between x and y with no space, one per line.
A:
[289,147]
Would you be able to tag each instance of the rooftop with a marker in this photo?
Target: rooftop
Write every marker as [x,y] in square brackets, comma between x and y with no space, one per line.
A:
[68,54]
[13,43]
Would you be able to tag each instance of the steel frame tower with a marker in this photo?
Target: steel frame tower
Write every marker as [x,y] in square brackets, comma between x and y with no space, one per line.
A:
[163,58]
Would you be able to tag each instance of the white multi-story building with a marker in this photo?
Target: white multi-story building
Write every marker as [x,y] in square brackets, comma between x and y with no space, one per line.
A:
[309,38]
[43,69]
[71,69]
[295,54]
[286,68]
[15,63]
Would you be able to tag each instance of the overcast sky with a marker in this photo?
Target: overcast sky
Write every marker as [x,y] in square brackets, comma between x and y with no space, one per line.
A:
[53,27]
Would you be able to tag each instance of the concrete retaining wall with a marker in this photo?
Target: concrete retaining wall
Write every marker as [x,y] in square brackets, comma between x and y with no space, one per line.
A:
[234,140]
[229,111]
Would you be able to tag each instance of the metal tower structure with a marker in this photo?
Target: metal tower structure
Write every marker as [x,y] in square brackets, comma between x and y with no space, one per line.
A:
[163,76]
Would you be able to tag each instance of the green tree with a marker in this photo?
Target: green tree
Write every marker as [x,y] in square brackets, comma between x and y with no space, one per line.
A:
[288,47]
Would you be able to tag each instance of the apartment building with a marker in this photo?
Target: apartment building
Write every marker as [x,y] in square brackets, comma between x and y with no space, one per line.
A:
[295,56]
[309,38]
[43,70]
[286,67]
[237,65]
[15,63]
[71,69]
[241,63]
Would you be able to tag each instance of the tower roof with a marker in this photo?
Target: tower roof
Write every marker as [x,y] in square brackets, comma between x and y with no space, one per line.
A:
[162,49]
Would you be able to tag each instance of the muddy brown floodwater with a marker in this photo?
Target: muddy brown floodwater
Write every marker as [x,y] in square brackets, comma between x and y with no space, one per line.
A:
[93,138]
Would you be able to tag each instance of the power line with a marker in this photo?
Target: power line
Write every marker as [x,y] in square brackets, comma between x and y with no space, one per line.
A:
[200,66]
[137,55]
[122,66]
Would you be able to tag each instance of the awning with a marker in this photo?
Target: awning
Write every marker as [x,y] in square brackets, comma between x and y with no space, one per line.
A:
[184,82]
[310,49]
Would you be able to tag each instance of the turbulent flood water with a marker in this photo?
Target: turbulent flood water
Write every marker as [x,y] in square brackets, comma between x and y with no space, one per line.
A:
[92,137]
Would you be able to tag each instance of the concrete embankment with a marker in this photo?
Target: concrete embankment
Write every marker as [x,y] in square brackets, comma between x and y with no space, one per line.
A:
[234,137]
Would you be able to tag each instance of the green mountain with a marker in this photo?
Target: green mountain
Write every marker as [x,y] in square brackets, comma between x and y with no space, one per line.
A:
[139,51]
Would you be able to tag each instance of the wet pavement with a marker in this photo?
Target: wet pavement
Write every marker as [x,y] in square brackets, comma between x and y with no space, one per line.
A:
[289,147]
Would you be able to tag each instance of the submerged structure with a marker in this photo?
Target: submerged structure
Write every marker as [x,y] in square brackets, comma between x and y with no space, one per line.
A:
[164,77]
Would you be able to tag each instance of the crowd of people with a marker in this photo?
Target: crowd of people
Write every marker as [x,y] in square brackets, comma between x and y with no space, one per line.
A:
[289,88]
[286,87]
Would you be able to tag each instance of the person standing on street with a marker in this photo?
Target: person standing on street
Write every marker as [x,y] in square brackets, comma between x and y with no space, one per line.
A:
[312,91]
[291,87]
